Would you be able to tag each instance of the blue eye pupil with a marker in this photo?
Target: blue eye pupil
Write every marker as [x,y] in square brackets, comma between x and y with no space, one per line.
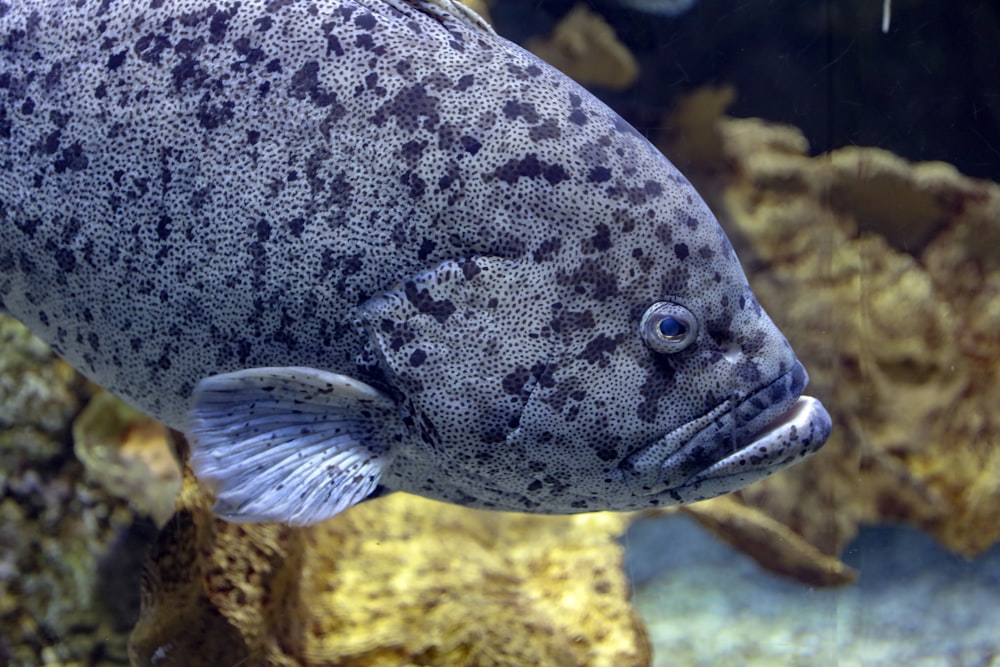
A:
[671,327]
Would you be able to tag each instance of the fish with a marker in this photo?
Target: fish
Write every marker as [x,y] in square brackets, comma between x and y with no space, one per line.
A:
[352,248]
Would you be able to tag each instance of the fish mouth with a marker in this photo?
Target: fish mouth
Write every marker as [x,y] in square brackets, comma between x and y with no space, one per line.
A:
[737,443]
[794,435]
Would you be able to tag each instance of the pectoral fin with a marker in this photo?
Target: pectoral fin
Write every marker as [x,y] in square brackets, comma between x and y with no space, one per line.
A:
[290,445]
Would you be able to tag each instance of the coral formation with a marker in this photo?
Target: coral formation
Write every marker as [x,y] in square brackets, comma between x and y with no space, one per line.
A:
[70,553]
[885,276]
[127,454]
[396,581]
[586,48]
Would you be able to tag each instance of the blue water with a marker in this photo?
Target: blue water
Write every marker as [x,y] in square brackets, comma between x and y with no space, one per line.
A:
[915,604]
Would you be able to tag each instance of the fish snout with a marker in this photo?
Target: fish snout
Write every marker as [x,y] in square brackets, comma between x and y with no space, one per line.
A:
[739,442]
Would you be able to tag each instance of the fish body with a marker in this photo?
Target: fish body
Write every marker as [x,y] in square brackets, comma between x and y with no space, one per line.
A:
[361,247]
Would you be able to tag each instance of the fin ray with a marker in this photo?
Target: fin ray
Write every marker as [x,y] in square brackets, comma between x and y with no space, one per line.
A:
[295,445]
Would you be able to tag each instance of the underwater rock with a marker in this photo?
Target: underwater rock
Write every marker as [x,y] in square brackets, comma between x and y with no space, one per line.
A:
[127,454]
[586,48]
[771,543]
[888,281]
[400,580]
[70,553]
[38,392]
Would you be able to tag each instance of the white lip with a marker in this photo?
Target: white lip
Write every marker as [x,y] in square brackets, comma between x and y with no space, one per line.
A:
[791,437]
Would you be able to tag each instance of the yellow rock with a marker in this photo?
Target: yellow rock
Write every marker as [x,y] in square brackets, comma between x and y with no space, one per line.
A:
[396,581]
[586,48]
[127,453]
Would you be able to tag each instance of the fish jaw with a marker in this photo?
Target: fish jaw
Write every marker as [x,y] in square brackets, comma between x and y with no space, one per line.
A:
[739,442]
[795,435]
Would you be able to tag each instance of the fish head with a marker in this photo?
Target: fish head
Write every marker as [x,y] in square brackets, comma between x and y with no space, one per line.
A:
[641,373]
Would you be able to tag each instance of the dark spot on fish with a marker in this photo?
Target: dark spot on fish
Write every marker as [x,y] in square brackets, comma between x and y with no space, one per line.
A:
[417,185]
[263,230]
[658,384]
[555,174]
[604,284]
[150,47]
[27,227]
[367,42]
[408,107]
[71,158]
[681,251]
[305,84]
[333,45]
[426,248]
[529,167]
[595,350]
[65,259]
[599,175]
[602,237]
[365,21]
[570,321]
[412,150]
[211,116]
[470,144]
[440,310]
[51,143]
[470,270]
[514,109]
[116,60]
[513,383]
[548,129]
[163,228]
[417,357]
[547,249]
[640,195]
[607,454]
[220,24]
[664,234]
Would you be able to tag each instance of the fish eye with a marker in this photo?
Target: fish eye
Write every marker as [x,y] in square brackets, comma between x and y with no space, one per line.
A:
[668,327]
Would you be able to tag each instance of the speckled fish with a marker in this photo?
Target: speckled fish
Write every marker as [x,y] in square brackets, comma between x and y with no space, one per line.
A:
[361,247]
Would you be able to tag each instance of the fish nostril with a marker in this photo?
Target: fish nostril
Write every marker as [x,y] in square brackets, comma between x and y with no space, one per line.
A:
[731,351]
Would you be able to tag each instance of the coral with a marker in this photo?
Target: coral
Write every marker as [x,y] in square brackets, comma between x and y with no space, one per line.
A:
[127,454]
[70,554]
[395,581]
[586,48]
[885,277]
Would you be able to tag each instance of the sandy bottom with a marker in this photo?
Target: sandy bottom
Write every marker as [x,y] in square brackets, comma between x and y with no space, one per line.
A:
[914,605]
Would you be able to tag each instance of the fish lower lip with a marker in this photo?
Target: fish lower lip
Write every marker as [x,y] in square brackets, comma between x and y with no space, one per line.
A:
[785,420]
[792,436]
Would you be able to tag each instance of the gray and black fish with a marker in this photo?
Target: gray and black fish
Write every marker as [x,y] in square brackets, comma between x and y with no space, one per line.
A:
[356,247]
